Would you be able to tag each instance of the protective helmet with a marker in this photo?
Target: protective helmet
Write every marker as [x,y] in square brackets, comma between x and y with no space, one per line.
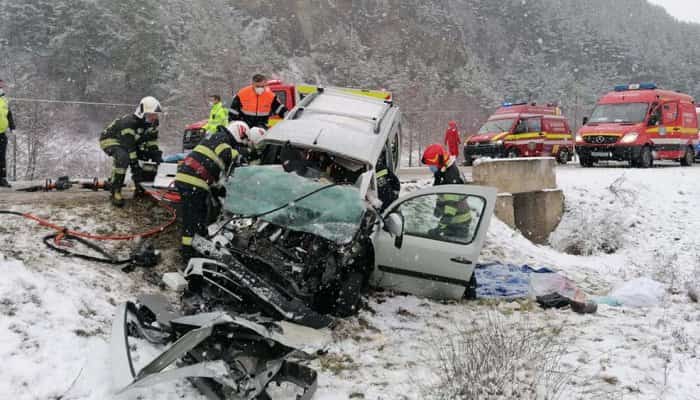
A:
[148,104]
[452,124]
[239,130]
[256,135]
[435,155]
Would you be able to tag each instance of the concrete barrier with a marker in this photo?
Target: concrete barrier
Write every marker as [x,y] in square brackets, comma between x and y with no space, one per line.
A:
[538,213]
[516,175]
[528,198]
[504,209]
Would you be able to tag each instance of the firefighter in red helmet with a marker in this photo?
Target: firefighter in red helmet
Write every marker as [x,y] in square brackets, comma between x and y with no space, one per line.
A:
[443,167]
[452,209]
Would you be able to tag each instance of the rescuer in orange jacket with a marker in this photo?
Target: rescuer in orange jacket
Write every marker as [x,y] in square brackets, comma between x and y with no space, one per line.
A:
[255,103]
[452,140]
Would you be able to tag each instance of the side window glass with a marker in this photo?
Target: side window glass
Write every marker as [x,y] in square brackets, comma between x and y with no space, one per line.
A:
[445,217]
[521,127]
[670,113]
[281,96]
[534,125]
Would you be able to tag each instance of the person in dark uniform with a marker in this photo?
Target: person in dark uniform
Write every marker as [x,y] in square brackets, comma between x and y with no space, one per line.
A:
[196,180]
[125,137]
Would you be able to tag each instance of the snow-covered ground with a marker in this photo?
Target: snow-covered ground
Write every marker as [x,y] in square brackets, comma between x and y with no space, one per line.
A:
[55,313]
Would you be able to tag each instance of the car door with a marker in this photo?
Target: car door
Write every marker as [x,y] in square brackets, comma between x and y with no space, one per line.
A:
[428,256]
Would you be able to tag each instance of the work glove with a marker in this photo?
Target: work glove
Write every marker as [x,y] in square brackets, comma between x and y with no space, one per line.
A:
[136,172]
[157,157]
[218,191]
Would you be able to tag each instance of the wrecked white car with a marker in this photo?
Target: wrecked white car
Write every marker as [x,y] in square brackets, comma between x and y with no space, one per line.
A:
[307,242]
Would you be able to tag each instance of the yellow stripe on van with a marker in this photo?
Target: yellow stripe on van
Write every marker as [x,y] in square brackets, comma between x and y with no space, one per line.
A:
[377,94]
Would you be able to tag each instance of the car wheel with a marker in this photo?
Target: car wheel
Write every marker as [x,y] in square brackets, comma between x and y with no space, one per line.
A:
[688,157]
[470,292]
[646,160]
[585,161]
[347,300]
[563,156]
[512,153]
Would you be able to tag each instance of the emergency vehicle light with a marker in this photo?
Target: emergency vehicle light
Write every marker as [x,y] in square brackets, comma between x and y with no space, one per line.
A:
[635,86]
[511,104]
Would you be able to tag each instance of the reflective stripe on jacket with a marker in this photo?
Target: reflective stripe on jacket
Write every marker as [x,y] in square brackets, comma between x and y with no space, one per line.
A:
[256,105]
[212,156]
[4,112]
[218,116]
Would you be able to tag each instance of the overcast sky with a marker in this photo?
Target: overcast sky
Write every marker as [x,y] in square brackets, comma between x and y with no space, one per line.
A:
[685,10]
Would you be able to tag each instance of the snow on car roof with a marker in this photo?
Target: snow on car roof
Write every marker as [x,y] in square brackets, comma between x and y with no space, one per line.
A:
[339,123]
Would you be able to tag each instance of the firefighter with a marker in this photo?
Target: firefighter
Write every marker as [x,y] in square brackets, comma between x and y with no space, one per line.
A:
[255,103]
[452,140]
[196,180]
[122,138]
[452,209]
[443,167]
[218,116]
[7,124]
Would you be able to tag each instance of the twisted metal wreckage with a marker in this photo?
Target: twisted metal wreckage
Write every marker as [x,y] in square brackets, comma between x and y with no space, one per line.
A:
[291,249]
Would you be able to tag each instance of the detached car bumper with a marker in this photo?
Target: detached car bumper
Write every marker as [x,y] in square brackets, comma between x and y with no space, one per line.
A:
[609,152]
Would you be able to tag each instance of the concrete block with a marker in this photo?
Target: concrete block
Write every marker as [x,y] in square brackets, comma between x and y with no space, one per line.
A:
[504,209]
[538,213]
[175,281]
[516,175]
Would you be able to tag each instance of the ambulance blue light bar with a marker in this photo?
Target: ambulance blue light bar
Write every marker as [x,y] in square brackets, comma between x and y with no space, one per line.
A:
[510,104]
[635,86]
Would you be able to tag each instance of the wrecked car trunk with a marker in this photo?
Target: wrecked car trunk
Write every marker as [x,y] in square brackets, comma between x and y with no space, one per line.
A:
[306,241]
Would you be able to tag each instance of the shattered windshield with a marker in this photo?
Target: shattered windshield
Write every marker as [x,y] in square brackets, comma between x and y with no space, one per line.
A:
[497,126]
[619,113]
[308,205]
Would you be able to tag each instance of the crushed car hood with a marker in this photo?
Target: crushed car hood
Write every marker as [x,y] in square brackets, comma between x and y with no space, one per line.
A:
[297,203]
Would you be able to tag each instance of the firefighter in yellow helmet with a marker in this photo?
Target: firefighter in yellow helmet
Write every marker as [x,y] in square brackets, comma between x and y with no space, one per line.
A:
[122,139]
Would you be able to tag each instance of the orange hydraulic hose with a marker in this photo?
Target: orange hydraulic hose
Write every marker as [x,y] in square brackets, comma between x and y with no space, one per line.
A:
[85,235]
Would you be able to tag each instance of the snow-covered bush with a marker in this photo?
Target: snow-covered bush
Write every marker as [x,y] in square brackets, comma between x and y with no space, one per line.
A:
[497,359]
[596,224]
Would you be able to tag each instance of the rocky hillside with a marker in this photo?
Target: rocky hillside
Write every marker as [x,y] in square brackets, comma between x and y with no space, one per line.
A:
[452,59]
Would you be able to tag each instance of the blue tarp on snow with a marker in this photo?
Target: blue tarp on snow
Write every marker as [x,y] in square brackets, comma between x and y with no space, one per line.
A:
[504,281]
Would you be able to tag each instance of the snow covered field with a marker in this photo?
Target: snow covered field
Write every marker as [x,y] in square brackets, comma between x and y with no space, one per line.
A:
[55,313]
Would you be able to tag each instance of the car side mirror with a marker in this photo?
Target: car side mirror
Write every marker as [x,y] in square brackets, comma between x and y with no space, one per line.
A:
[585,121]
[393,224]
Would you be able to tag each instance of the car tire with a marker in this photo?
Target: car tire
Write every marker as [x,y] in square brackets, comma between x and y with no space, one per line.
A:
[512,153]
[688,157]
[646,159]
[349,294]
[585,161]
[563,156]
[470,291]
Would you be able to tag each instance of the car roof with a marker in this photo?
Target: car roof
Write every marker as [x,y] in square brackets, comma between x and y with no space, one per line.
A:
[352,126]
[642,96]
[496,117]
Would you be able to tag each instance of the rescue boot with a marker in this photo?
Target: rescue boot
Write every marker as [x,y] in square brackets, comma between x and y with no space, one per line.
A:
[117,198]
[139,192]
[4,183]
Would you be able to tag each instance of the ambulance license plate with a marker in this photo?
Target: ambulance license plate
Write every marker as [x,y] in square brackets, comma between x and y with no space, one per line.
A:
[600,153]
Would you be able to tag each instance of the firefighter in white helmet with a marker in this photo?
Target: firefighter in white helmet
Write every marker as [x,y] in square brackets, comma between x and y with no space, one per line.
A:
[125,137]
